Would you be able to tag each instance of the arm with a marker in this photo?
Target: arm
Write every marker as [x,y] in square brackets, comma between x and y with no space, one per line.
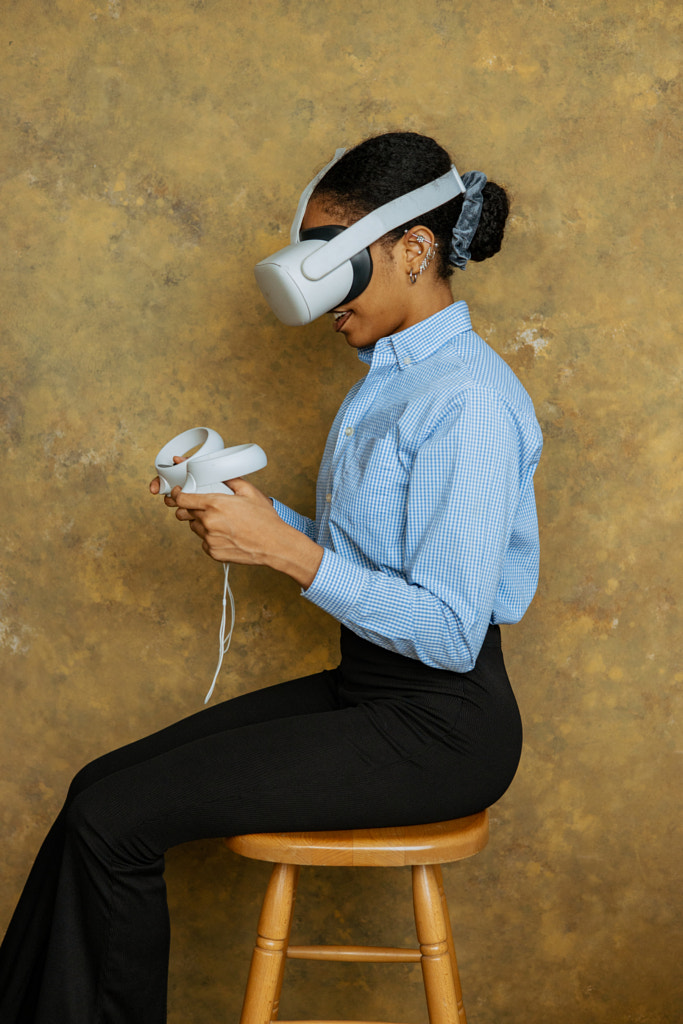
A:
[294,555]
[245,527]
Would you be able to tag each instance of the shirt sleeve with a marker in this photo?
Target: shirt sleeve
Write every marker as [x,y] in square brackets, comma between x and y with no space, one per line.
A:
[301,523]
[463,492]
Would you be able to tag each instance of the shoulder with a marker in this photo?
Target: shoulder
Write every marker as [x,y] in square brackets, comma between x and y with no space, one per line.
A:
[470,379]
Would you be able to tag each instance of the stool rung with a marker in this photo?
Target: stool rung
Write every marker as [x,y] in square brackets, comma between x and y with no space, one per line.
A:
[356,954]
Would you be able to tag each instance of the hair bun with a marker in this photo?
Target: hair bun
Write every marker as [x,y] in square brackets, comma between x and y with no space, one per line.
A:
[488,237]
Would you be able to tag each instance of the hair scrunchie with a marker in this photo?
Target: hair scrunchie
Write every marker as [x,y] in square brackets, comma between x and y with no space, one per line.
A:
[468,221]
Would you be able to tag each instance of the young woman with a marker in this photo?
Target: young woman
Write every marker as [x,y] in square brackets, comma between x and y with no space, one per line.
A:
[425,540]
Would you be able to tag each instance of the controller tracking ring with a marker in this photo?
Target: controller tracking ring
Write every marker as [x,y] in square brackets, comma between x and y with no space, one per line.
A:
[204,472]
[171,474]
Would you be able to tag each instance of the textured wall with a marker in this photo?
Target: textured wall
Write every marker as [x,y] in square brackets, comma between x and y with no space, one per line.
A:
[151,152]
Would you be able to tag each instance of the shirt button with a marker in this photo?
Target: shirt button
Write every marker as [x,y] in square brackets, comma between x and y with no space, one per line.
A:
[349,431]
[407,361]
[328,498]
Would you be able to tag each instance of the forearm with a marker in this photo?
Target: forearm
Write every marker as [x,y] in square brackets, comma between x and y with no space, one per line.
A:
[295,554]
[402,616]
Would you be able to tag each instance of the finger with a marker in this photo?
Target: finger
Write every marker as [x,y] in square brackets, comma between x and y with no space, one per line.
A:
[197,527]
[237,485]
[155,485]
[170,499]
[192,501]
[244,488]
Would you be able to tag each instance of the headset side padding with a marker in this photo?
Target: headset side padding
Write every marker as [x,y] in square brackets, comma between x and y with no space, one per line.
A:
[361,263]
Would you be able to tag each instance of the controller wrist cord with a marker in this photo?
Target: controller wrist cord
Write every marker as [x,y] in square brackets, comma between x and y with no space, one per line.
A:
[223,640]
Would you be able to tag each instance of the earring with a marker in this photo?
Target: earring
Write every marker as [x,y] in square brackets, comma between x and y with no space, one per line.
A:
[429,257]
[431,253]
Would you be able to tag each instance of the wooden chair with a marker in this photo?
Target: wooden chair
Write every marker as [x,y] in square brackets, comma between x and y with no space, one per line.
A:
[423,847]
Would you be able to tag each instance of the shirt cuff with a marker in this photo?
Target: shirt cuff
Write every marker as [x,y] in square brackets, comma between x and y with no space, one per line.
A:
[301,523]
[337,585]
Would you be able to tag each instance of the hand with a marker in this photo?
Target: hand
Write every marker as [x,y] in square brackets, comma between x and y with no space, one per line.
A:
[227,528]
[245,528]
[155,484]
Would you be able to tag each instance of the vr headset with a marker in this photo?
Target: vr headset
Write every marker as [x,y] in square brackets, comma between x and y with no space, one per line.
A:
[328,266]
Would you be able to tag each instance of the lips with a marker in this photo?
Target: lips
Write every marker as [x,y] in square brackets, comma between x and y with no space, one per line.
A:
[341,317]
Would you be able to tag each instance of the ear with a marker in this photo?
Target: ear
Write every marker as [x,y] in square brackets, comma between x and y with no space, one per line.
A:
[414,246]
[416,243]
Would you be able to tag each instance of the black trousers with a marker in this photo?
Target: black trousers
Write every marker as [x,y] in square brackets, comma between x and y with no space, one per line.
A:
[381,740]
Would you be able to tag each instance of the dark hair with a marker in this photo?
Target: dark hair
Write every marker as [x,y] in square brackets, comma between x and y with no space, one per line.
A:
[386,166]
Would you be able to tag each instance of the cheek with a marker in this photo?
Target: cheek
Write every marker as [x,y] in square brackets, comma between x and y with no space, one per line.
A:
[383,283]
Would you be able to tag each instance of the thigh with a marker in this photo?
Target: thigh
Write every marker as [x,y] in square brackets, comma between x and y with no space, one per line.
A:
[307,695]
[331,769]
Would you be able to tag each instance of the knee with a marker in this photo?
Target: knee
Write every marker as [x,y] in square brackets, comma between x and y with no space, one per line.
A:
[92,826]
[103,822]
[87,808]
[89,774]
[81,810]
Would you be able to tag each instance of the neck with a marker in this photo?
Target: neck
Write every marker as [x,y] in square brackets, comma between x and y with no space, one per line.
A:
[430,299]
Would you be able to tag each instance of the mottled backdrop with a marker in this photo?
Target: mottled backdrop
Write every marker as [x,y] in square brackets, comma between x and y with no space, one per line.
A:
[151,153]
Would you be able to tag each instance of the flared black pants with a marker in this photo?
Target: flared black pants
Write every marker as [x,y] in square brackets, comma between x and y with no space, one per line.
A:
[381,740]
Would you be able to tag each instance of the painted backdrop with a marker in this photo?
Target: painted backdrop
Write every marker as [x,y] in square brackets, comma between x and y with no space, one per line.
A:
[151,153]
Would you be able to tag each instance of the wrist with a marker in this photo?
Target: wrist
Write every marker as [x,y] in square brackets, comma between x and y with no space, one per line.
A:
[297,556]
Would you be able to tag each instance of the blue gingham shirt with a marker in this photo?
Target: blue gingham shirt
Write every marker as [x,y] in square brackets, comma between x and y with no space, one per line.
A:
[425,501]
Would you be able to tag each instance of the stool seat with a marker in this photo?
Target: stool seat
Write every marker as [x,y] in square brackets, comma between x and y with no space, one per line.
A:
[437,843]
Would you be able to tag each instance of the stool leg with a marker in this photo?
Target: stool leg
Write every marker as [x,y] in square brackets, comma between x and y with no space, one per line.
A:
[262,997]
[432,933]
[462,1019]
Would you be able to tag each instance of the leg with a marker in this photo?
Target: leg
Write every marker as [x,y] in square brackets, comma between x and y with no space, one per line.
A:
[462,1019]
[296,757]
[432,933]
[108,954]
[262,997]
[23,952]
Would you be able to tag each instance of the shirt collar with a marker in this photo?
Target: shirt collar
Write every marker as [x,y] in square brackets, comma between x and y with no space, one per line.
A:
[419,341]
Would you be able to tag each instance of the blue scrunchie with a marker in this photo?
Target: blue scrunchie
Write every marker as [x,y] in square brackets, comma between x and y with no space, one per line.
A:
[468,221]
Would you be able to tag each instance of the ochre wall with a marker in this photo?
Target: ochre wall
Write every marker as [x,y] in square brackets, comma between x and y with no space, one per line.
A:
[151,153]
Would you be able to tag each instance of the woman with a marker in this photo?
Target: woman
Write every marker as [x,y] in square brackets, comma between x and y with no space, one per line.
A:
[425,540]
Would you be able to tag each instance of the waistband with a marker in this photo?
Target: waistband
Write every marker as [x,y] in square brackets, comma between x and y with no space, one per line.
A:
[363,662]
[492,638]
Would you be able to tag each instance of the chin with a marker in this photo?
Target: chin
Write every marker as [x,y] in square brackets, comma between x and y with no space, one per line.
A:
[359,342]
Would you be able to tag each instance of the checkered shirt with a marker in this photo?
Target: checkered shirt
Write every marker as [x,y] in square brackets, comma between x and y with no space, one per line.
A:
[425,500]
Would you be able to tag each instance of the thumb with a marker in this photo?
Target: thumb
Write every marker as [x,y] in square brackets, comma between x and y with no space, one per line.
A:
[240,486]
[243,489]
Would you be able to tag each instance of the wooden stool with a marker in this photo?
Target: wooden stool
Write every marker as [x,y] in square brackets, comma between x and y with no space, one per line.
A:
[424,847]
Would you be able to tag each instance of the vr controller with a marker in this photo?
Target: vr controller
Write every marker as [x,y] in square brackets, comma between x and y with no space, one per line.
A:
[203,473]
[212,463]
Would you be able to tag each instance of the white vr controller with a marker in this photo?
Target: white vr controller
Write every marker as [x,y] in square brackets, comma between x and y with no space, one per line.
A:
[205,470]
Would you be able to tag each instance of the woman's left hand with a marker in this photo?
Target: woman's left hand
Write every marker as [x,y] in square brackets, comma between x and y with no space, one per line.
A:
[244,527]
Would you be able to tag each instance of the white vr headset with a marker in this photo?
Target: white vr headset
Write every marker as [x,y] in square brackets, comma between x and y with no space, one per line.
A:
[328,266]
